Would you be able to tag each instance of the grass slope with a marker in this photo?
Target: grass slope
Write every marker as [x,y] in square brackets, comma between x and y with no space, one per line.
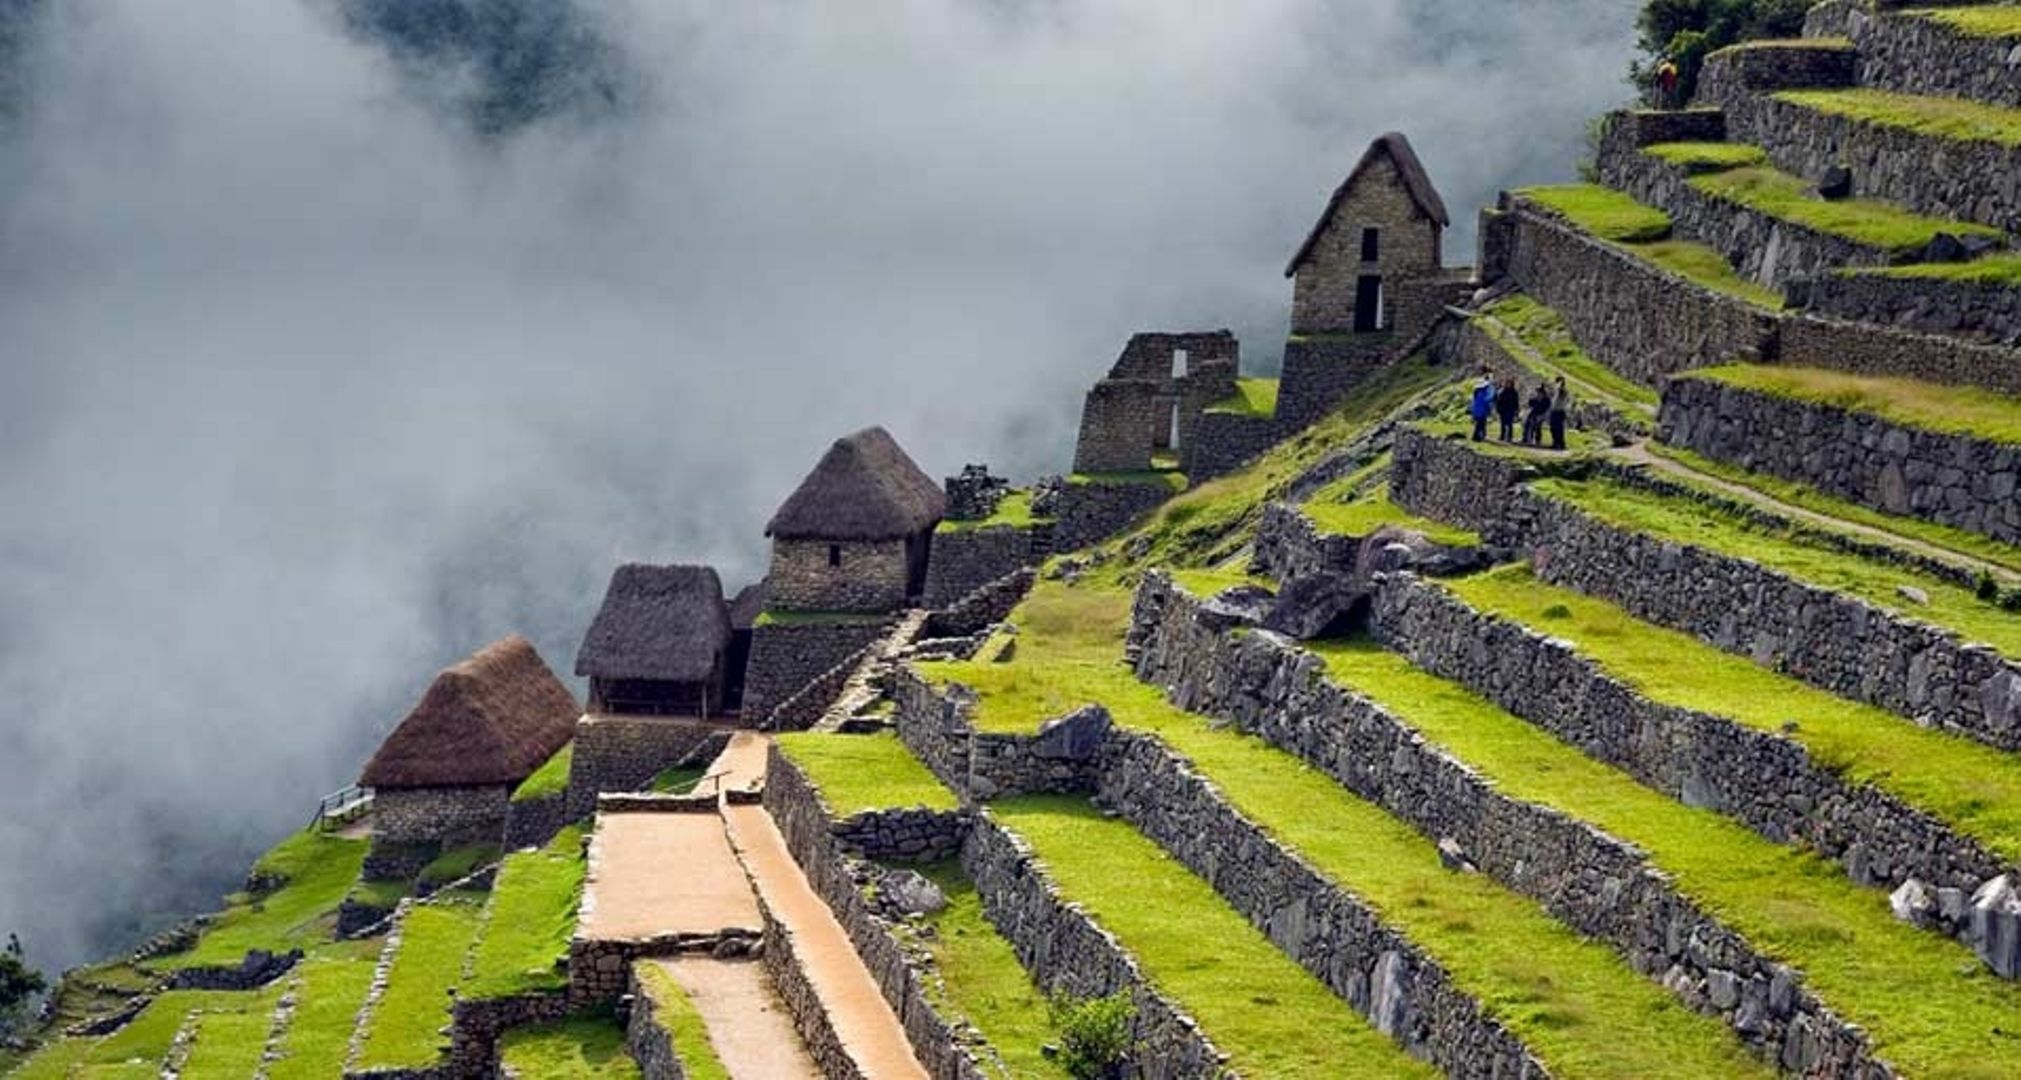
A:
[1951,410]
[1252,397]
[590,1047]
[406,1025]
[1929,1006]
[1270,1015]
[981,980]
[858,773]
[524,947]
[1523,326]
[1938,117]
[1998,270]
[677,1014]
[1980,20]
[317,870]
[1701,157]
[1014,512]
[550,780]
[1951,607]
[1365,513]
[1974,788]
[332,988]
[231,1040]
[1863,221]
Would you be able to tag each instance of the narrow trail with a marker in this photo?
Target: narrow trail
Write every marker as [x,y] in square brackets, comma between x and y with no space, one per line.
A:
[748,1028]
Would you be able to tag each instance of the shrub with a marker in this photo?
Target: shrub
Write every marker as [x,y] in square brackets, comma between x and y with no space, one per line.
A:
[1095,1038]
[1557,611]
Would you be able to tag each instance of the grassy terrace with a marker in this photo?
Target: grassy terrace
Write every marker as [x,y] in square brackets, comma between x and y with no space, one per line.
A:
[1929,1006]
[1014,512]
[524,947]
[1863,221]
[1959,541]
[1253,397]
[332,987]
[1951,410]
[317,870]
[1983,20]
[1938,117]
[860,773]
[1171,478]
[1998,270]
[981,980]
[550,780]
[406,1024]
[1571,1000]
[1703,157]
[1524,327]
[677,1013]
[587,1046]
[1974,788]
[1372,510]
[1271,1016]
[231,1038]
[1952,607]
[1643,231]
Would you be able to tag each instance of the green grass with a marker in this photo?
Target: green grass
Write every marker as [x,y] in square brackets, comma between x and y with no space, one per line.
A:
[332,988]
[1253,397]
[1958,541]
[1704,157]
[524,945]
[860,773]
[1973,788]
[1523,321]
[678,779]
[1952,607]
[677,1014]
[1362,516]
[1604,212]
[231,1040]
[1270,1015]
[1937,117]
[1014,512]
[383,895]
[56,1060]
[815,618]
[318,869]
[1863,221]
[2002,270]
[458,863]
[586,1046]
[1168,477]
[1929,1006]
[981,979]
[1980,20]
[1069,654]
[406,1025]
[550,780]
[142,1044]
[1951,410]
[1708,268]
[1580,443]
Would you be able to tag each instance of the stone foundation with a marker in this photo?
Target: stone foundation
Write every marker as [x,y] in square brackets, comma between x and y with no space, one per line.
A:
[786,656]
[938,728]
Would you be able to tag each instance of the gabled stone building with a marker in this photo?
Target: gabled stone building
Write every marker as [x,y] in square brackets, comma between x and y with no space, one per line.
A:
[854,536]
[659,646]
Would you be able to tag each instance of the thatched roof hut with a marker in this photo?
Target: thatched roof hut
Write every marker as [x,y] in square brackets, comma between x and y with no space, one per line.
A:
[749,604]
[667,623]
[490,719]
[865,488]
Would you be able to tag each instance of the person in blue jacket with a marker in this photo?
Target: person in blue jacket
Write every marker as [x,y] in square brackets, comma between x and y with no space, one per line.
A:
[1483,405]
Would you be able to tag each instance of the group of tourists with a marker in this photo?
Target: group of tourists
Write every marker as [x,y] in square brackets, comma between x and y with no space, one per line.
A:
[1548,404]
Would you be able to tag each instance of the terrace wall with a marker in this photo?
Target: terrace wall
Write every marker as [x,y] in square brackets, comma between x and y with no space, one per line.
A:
[1092,510]
[1875,349]
[624,753]
[938,726]
[1977,311]
[965,560]
[1221,443]
[1921,56]
[787,656]
[1288,545]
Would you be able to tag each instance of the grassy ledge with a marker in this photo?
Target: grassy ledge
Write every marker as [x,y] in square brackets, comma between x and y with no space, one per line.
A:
[1644,231]
[1950,410]
[2001,271]
[981,980]
[1951,607]
[1170,478]
[524,947]
[1938,117]
[407,1023]
[458,863]
[1522,326]
[1253,397]
[1862,221]
[1014,512]
[860,773]
[1980,20]
[817,618]
[331,988]
[1705,157]
[1364,514]
[1270,1015]
[1973,788]
[550,780]
[231,1040]
[316,870]
[677,1014]
[1929,1006]
[590,1047]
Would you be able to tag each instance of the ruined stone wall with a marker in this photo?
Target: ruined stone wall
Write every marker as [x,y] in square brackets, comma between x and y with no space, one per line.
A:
[1121,422]
[938,727]
[1221,443]
[1872,349]
[624,753]
[1637,319]
[1764,780]
[1151,355]
[1319,372]
[787,656]
[871,578]
[1094,510]
[476,1025]
[1323,290]
[1443,480]
[1066,951]
[1289,546]
[982,608]
[1954,480]
[1592,881]
[1921,56]
[965,560]
[1978,311]
[448,815]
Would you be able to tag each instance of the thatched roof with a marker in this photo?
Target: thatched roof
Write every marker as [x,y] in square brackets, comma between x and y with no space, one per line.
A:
[865,488]
[491,719]
[657,622]
[1397,148]
[749,604]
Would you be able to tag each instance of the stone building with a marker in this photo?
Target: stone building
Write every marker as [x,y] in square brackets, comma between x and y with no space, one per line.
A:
[1145,409]
[854,536]
[444,775]
[660,644]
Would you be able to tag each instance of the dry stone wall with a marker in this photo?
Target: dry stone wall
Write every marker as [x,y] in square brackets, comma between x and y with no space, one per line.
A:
[1092,510]
[533,822]
[1471,348]
[1956,480]
[965,560]
[1594,882]
[938,726]
[1922,56]
[1319,372]
[1762,67]
[647,1036]
[476,1025]
[786,656]
[1977,311]
[624,753]
[1441,479]
[868,576]
[1877,349]
[1220,443]
[1288,545]
[446,815]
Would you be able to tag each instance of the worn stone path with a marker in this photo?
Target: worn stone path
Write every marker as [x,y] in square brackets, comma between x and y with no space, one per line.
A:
[870,1033]
[653,874]
[748,1027]
[741,765]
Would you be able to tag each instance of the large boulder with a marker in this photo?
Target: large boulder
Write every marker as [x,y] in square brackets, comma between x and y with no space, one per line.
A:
[1996,926]
[1393,547]
[905,892]
[1243,605]
[1077,736]
[1317,605]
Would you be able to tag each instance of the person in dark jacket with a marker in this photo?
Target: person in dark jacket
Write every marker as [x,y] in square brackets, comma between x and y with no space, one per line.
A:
[1483,403]
[1508,402]
[1561,403]
[1540,408]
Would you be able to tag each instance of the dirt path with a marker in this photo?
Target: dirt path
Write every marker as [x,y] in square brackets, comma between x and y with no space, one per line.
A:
[869,1032]
[749,1029]
[741,765]
[662,873]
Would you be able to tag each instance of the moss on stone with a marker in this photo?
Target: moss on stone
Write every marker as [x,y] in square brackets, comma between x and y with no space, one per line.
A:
[316,869]
[676,1012]
[2002,270]
[330,988]
[406,1025]
[1363,515]
[1603,212]
[1979,20]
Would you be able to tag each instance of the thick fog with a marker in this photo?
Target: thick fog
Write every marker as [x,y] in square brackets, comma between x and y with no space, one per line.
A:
[335,344]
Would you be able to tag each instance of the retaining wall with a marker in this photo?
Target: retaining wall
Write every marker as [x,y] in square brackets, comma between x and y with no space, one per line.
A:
[787,656]
[648,1038]
[1094,510]
[938,726]
[1876,349]
[1921,56]
[624,753]
[533,822]
[964,560]
[476,1026]
[1470,347]
[1442,479]
[1223,442]
[1288,545]
[1976,311]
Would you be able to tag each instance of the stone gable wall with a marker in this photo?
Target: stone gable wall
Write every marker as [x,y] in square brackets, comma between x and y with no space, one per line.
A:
[1120,425]
[1954,480]
[1766,781]
[786,657]
[965,560]
[872,577]
[1323,290]
[1592,881]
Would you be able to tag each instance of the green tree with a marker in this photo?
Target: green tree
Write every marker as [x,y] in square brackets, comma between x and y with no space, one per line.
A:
[1687,31]
[19,984]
